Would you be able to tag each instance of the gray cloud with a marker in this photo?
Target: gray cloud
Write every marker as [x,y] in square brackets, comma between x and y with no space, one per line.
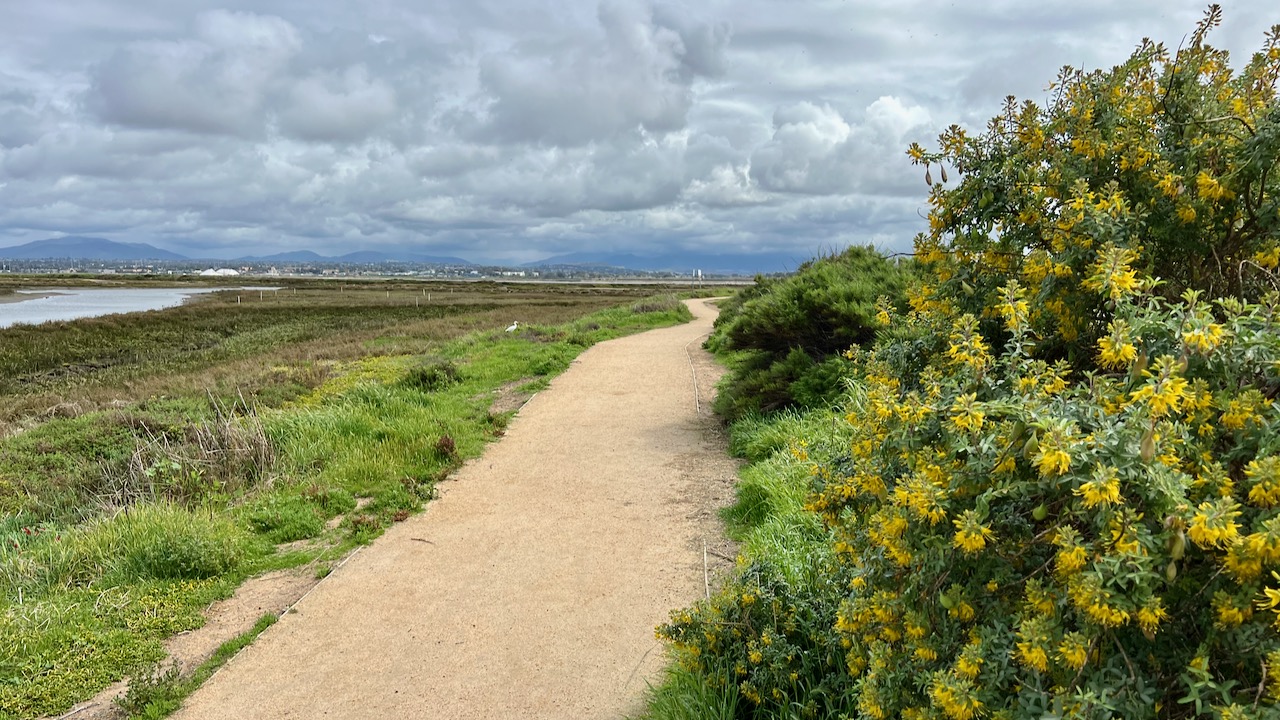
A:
[515,129]
[217,82]
[636,72]
[337,107]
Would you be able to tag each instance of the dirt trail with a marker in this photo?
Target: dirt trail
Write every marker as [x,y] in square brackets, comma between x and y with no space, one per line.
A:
[532,586]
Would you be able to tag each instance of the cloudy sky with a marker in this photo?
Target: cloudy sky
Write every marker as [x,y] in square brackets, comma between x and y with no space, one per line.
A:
[511,130]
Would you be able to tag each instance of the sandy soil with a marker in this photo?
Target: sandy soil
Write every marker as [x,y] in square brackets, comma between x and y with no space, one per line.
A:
[531,588]
[23,297]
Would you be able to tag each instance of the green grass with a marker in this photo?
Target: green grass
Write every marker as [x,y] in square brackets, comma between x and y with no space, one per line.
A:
[683,695]
[123,523]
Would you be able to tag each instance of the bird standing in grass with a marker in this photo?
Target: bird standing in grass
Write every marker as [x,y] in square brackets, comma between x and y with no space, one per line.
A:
[512,327]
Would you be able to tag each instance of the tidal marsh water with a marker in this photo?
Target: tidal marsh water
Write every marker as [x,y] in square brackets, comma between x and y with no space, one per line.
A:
[38,306]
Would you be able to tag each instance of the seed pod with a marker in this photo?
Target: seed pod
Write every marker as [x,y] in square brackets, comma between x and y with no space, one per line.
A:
[1147,449]
[1140,365]
[946,601]
[1171,571]
[1018,428]
[1032,447]
[1178,546]
[1041,512]
[943,170]
[928,178]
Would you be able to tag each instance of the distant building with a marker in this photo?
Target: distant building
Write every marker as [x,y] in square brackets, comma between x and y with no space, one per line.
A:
[220,272]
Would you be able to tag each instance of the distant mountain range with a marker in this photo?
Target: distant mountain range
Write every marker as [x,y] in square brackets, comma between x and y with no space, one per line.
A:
[86,248]
[91,248]
[360,257]
[682,263]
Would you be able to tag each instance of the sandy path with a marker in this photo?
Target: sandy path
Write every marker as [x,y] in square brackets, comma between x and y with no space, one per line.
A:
[532,587]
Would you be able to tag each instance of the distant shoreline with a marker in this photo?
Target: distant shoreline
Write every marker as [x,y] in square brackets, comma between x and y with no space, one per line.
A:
[18,297]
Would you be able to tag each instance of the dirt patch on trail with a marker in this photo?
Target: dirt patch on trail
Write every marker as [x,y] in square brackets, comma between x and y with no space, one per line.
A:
[509,397]
[531,587]
[273,593]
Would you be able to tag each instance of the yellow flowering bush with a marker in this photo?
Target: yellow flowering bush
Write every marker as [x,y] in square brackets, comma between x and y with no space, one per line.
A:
[1060,490]
[1042,542]
[1163,166]
[768,642]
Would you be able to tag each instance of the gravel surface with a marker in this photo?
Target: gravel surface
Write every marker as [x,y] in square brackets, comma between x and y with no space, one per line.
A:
[532,586]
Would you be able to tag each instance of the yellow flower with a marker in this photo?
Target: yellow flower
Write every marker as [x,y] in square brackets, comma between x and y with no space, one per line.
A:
[1033,656]
[1229,615]
[1151,614]
[966,414]
[954,697]
[1014,309]
[971,536]
[967,346]
[969,663]
[1074,650]
[1209,188]
[1111,272]
[1203,340]
[1243,410]
[1116,355]
[1165,390]
[1214,524]
[1103,489]
[1264,474]
[1186,214]
[1268,259]
[1071,558]
[1038,599]
[1088,596]
[869,704]
[1052,461]
[963,612]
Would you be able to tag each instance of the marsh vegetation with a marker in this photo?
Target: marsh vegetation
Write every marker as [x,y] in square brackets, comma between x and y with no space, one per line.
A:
[151,462]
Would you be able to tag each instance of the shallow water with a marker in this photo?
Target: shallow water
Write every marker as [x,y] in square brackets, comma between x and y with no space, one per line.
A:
[76,303]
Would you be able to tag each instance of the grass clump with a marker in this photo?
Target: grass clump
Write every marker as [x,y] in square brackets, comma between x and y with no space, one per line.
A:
[432,376]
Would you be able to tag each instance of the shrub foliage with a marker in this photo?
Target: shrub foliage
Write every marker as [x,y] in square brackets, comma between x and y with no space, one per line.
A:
[1168,155]
[790,332]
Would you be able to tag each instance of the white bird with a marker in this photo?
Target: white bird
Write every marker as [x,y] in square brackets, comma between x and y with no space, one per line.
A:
[512,326]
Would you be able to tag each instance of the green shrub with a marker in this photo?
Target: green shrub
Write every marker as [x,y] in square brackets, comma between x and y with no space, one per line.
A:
[787,334]
[767,641]
[432,376]
[1061,491]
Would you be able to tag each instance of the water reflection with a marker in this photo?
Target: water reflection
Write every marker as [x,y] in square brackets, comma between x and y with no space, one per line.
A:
[75,303]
